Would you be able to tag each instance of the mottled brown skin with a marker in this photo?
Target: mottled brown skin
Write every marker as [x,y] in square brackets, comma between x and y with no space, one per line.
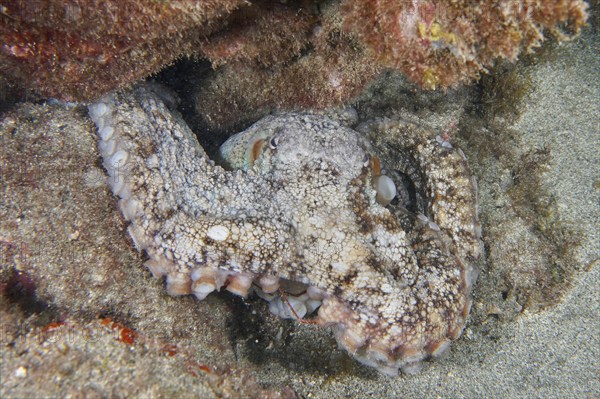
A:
[302,208]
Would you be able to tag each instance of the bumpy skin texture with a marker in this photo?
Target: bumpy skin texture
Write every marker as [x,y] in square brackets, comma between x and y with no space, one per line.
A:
[299,206]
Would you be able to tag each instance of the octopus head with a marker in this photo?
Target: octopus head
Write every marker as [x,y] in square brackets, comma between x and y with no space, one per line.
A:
[280,144]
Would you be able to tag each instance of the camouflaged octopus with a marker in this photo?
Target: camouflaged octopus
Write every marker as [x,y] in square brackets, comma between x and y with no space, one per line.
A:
[302,206]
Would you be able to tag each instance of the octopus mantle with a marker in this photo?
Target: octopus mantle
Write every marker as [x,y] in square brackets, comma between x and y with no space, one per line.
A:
[297,210]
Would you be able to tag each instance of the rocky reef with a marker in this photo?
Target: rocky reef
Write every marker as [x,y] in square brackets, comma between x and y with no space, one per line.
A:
[286,55]
[81,316]
[77,50]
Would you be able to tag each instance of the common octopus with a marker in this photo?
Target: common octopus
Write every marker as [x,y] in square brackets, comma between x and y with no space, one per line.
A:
[302,206]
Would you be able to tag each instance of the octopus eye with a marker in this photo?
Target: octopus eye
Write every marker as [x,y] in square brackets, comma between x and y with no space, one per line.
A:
[273,142]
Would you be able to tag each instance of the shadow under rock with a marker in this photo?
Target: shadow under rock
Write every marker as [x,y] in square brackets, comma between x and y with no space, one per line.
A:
[270,342]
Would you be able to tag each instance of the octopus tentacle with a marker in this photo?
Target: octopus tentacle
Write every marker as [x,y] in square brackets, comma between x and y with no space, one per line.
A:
[184,210]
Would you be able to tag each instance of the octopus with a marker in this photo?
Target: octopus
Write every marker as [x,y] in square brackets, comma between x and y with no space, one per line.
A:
[299,209]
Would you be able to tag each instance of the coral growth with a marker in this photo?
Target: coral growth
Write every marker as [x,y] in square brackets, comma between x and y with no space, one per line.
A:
[332,69]
[435,44]
[442,43]
[262,35]
[270,54]
[79,49]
